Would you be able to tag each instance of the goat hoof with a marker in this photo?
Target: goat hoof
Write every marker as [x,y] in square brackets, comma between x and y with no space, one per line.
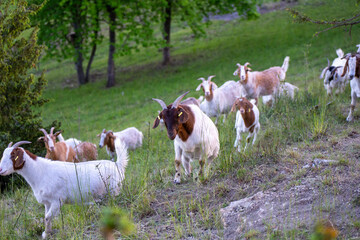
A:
[177,181]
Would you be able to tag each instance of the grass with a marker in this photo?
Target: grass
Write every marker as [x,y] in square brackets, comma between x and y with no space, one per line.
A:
[160,209]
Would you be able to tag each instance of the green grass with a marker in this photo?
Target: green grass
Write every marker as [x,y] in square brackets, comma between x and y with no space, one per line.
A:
[160,209]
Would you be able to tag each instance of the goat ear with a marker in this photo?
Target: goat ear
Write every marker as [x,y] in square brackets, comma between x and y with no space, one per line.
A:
[248,69]
[17,156]
[40,139]
[233,108]
[323,73]
[183,115]
[157,120]
[345,68]
[57,133]
[198,87]
[213,86]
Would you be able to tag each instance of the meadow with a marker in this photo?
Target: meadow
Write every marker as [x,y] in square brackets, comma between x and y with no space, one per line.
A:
[292,132]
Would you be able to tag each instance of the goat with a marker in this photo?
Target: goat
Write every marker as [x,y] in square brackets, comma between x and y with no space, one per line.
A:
[247,120]
[72,142]
[332,74]
[57,150]
[218,100]
[285,89]
[131,137]
[195,135]
[262,83]
[55,183]
[353,64]
[85,151]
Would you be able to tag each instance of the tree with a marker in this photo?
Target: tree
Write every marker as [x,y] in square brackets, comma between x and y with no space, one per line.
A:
[193,13]
[130,22]
[20,92]
[69,28]
[346,21]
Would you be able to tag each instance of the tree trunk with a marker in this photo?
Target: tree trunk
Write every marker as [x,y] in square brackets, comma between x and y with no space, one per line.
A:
[111,65]
[166,33]
[77,41]
[94,45]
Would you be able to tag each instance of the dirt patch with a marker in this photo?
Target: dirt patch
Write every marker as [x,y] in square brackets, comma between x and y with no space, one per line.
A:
[304,196]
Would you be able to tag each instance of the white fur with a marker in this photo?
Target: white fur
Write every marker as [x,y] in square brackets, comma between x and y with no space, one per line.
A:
[202,144]
[339,83]
[241,128]
[354,85]
[223,98]
[55,183]
[131,137]
[285,89]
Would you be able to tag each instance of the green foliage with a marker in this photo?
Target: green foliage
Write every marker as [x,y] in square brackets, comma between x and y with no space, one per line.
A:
[20,92]
[116,219]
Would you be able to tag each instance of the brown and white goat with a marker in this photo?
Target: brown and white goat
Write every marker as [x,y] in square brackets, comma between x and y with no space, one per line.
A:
[353,65]
[195,135]
[247,120]
[85,151]
[262,83]
[57,150]
[131,137]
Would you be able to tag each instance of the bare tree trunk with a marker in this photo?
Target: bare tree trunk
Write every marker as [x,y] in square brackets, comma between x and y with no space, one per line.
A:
[166,33]
[76,40]
[111,65]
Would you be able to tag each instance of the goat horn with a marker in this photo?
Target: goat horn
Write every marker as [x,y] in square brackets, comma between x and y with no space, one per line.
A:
[20,143]
[247,64]
[44,131]
[10,144]
[103,130]
[211,77]
[328,62]
[201,79]
[238,64]
[161,102]
[52,130]
[177,101]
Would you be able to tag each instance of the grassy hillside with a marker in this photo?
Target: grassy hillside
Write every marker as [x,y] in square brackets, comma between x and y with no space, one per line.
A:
[160,209]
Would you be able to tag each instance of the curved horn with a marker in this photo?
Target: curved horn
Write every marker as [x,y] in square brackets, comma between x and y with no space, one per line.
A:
[44,131]
[177,101]
[211,77]
[20,143]
[161,102]
[328,62]
[52,130]
[10,144]
[238,64]
[201,79]
[245,65]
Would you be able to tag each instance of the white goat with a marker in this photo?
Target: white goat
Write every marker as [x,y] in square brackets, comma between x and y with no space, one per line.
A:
[285,89]
[55,183]
[263,83]
[247,120]
[219,100]
[353,64]
[72,142]
[332,74]
[195,135]
[131,137]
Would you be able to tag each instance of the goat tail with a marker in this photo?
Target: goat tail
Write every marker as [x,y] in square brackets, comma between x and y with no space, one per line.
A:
[340,53]
[122,154]
[285,65]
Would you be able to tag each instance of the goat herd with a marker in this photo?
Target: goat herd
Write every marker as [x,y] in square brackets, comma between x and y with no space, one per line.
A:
[75,179]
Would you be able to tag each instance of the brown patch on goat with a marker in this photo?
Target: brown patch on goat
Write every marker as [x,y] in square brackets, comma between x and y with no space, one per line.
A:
[178,121]
[109,141]
[17,157]
[31,155]
[86,151]
[268,80]
[246,110]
